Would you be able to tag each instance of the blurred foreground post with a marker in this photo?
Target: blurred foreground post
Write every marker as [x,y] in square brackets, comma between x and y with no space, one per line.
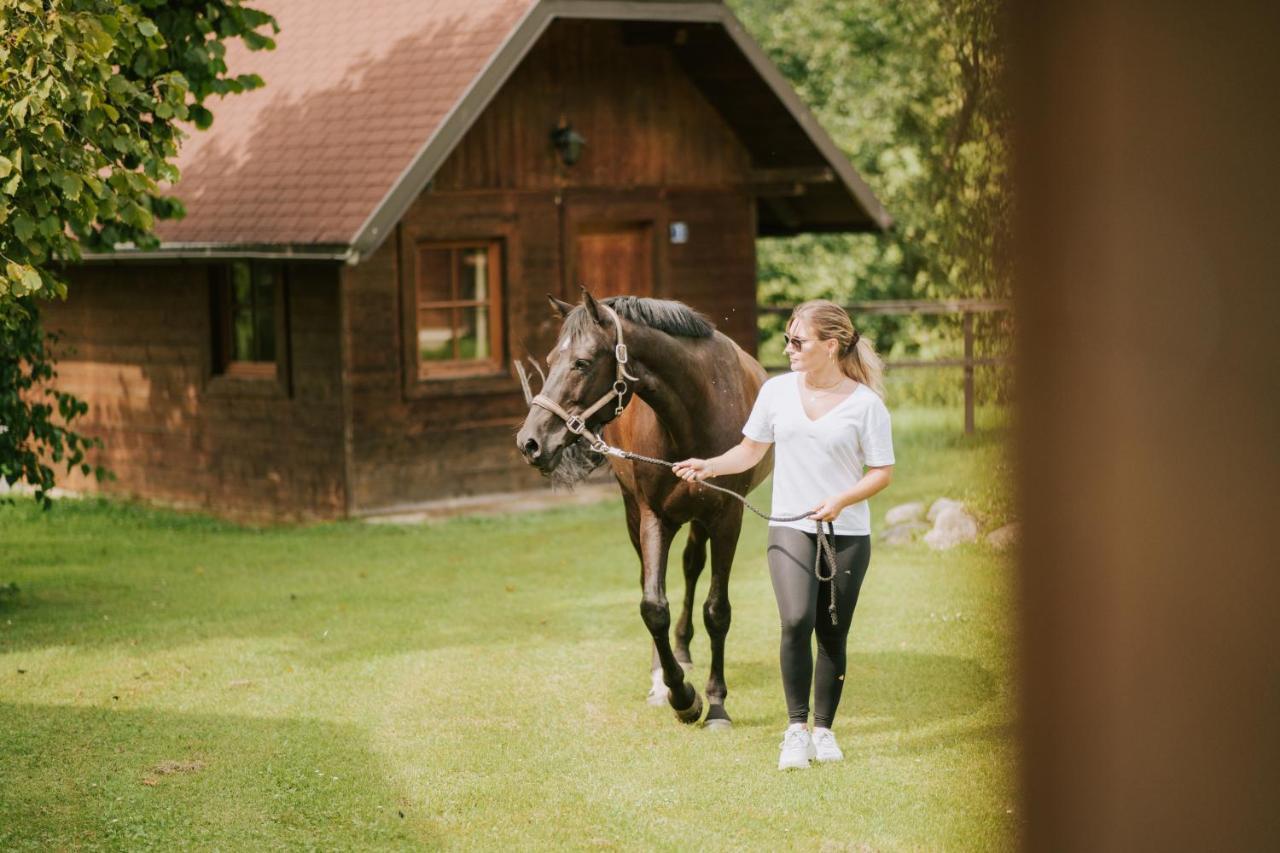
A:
[1147,303]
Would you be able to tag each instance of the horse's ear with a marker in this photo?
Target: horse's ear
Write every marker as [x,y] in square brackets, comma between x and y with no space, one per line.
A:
[561,308]
[592,306]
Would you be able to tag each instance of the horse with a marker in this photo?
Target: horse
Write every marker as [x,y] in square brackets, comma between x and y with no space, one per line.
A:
[663,383]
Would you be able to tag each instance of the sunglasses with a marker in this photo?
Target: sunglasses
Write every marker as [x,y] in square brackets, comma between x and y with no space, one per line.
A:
[796,343]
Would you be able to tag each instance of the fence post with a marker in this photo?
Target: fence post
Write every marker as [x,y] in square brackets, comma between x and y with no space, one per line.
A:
[966,321]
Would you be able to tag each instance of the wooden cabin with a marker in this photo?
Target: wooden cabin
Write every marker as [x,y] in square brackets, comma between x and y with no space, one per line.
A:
[370,238]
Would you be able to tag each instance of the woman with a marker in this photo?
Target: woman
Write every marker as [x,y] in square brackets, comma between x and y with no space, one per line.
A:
[829,422]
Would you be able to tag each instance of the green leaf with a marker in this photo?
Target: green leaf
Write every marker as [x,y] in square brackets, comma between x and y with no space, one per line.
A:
[147,28]
[30,280]
[6,166]
[11,185]
[71,185]
[201,117]
[23,226]
[19,111]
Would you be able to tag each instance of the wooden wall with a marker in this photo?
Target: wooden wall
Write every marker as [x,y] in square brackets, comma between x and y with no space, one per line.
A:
[645,123]
[137,350]
[655,150]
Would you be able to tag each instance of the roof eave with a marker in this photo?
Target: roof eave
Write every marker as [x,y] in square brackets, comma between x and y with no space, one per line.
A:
[215,251]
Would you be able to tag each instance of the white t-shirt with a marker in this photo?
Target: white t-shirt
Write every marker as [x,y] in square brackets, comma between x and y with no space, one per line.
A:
[814,460]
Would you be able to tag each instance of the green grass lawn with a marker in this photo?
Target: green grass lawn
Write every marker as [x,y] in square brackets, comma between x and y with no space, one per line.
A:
[171,681]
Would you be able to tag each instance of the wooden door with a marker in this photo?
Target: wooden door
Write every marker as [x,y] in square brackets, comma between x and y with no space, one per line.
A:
[614,258]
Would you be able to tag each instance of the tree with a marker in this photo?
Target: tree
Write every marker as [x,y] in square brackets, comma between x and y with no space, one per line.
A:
[94,97]
[911,93]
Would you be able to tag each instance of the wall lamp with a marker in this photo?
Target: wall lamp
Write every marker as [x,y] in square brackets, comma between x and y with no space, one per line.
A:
[568,143]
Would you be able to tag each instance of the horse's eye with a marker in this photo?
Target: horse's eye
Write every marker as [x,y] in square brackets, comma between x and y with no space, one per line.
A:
[582,364]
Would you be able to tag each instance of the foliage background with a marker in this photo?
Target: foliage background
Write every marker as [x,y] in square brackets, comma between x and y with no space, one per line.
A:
[911,93]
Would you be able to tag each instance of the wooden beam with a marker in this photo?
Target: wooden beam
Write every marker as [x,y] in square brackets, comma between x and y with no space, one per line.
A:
[909,306]
[796,175]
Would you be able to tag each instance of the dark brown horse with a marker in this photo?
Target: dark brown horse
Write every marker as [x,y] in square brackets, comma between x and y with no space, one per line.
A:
[686,390]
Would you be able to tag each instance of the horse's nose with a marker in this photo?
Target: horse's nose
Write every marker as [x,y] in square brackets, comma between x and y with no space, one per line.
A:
[529,447]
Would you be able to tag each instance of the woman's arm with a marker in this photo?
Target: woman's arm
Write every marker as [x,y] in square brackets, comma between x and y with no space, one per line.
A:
[875,480]
[736,460]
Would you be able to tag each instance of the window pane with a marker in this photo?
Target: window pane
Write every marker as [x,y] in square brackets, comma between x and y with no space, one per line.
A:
[265,277]
[435,334]
[241,286]
[240,312]
[473,334]
[473,274]
[242,335]
[433,276]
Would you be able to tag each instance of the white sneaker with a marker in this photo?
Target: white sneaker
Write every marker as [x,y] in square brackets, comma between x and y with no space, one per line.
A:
[825,746]
[797,749]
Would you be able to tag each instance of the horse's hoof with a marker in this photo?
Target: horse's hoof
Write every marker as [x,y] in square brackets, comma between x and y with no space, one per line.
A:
[693,712]
[718,719]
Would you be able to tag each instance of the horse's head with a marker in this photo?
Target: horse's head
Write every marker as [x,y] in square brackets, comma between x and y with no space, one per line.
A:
[582,369]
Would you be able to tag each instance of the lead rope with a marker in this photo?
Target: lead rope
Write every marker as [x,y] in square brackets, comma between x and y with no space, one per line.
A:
[825,549]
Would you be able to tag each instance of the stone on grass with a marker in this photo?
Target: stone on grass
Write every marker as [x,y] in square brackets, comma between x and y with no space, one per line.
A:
[939,506]
[1003,537]
[951,527]
[902,513]
[901,534]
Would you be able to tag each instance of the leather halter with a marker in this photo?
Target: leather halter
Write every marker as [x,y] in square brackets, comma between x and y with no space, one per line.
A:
[577,424]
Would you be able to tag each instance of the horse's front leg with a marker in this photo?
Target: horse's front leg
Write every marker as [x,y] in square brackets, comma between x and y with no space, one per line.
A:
[655,543]
[694,559]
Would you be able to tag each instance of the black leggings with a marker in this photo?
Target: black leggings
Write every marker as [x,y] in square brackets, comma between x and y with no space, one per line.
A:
[802,607]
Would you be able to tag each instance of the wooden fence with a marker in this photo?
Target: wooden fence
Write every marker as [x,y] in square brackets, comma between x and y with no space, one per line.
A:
[966,308]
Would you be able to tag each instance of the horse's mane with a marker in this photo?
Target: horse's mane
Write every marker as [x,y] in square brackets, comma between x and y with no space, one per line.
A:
[665,315]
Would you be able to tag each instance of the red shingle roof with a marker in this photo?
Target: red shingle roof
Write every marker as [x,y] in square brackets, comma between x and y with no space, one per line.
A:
[353,92]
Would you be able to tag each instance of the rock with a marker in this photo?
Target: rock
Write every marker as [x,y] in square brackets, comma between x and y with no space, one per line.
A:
[951,527]
[939,506]
[1003,537]
[901,534]
[902,513]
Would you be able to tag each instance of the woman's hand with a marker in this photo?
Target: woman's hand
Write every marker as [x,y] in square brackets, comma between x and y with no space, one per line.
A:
[829,509]
[692,470]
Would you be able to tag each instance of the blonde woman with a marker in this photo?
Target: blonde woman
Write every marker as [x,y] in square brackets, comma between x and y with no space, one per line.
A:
[834,449]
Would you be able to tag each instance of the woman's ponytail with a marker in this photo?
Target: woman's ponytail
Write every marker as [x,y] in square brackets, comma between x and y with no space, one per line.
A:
[857,355]
[861,363]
